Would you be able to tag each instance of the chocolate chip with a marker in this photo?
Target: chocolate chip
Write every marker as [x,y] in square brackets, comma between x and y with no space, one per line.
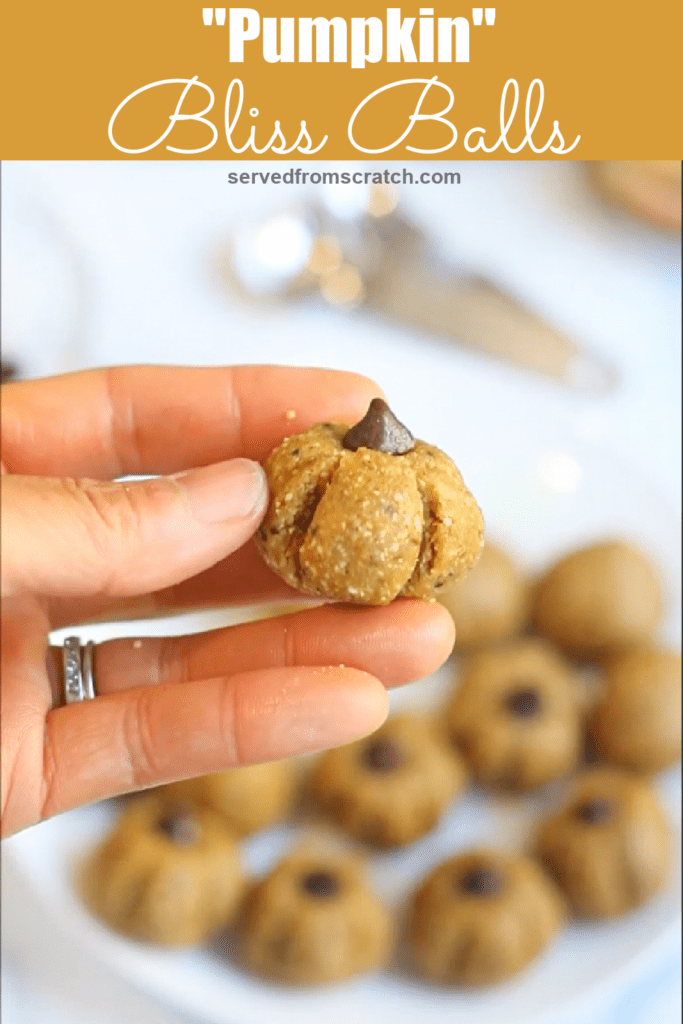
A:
[595,811]
[380,430]
[524,703]
[321,884]
[481,882]
[305,517]
[180,827]
[383,756]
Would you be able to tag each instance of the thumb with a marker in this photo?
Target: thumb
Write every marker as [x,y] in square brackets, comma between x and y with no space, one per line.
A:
[81,538]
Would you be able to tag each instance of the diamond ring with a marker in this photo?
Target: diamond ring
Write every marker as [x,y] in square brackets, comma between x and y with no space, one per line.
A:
[78,670]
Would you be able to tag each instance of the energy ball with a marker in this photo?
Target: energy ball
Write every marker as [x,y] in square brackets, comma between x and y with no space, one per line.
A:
[314,920]
[637,724]
[365,514]
[481,917]
[609,848]
[391,787]
[490,604]
[247,799]
[166,873]
[598,600]
[515,715]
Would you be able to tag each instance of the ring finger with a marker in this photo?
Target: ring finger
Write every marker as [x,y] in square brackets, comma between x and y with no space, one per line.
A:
[396,644]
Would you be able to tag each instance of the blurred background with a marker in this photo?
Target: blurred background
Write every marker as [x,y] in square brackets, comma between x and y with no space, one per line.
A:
[526,319]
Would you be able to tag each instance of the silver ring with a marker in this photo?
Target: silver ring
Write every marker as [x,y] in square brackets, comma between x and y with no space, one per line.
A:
[88,668]
[78,673]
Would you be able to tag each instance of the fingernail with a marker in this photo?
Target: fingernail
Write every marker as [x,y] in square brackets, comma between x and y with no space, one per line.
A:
[226,490]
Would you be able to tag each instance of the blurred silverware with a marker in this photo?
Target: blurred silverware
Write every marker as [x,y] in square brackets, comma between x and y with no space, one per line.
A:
[379,260]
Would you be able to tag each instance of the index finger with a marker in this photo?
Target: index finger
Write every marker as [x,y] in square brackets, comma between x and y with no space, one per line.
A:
[127,420]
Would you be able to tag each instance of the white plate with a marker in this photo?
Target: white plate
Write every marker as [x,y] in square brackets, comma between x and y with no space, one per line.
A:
[541,491]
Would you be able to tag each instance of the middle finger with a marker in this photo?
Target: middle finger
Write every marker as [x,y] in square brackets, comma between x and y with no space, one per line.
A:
[241,579]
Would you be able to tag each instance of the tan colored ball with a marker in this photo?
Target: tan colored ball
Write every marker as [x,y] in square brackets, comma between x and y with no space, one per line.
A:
[482,917]
[314,920]
[491,603]
[608,848]
[166,873]
[637,723]
[366,514]
[391,787]
[598,600]
[515,715]
[247,799]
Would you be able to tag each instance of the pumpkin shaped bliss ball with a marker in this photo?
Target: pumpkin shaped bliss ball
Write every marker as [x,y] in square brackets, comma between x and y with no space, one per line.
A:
[166,873]
[367,513]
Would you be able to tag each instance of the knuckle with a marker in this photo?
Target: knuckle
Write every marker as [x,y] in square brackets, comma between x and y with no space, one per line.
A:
[112,509]
[112,516]
[30,775]
[124,428]
[138,741]
[290,646]
[231,720]
[50,773]
[170,661]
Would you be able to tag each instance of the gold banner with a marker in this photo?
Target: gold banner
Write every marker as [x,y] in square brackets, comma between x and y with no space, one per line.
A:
[146,79]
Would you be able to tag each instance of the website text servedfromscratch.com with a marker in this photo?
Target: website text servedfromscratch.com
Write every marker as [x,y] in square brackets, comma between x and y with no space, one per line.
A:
[297,176]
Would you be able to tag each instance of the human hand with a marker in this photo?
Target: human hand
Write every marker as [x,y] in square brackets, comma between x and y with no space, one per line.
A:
[77,545]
